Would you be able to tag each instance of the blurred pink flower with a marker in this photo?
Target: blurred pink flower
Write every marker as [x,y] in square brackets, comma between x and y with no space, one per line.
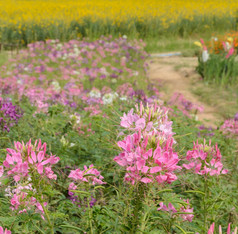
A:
[2,231]
[230,52]
[205,160]
[171,209]
[212,228]
[80,176]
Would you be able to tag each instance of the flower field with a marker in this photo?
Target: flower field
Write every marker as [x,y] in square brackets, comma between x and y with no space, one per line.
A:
[67,19]
[88,145]
[91,143]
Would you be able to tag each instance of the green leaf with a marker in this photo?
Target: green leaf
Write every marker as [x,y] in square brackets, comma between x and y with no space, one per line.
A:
[86,175]
[83,192]
[73,227]
[195,191]
[99,186]
[164,190]
[180,229]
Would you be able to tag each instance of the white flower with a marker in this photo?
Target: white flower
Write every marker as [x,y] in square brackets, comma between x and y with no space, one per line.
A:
[123,98]
[109,97]
[8,192]
[65,56]
[19,82]
[76,52]
[64,141]
[104,71]
[205,56]
[75,117]
[76,72]
[95,93]
[135,73]
[228,46]
[59,46]
[56,86]
[124,36]
[195,117]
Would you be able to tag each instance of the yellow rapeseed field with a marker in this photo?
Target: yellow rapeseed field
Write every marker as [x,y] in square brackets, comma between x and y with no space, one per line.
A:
[18,15]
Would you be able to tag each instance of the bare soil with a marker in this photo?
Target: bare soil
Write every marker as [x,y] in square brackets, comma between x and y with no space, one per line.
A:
[178,75]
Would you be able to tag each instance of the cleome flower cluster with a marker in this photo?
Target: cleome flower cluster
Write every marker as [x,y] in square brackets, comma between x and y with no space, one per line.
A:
[29,167]
[90,177]
[185,211]
[230,127]
[147,152]
[26,159]
[205,159]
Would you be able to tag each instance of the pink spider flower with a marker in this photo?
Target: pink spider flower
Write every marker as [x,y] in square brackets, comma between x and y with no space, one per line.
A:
[2,231]
[90,176]
[149,119]
[22,202]
[80,176]
[230,127]
[189,216]
[205,160]
[184,105]
[24,157]
[170,208]
[186,211]
[145,164]
[212,228]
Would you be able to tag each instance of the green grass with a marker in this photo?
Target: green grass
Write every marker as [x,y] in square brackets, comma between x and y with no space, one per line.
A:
[173,44]
[179,44]
[224,100]
[3,57]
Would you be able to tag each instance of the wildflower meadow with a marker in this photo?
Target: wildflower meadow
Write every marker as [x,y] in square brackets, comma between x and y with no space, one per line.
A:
[89,143]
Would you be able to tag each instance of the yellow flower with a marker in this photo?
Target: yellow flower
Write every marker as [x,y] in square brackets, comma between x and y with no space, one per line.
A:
[230,39]
[197,43]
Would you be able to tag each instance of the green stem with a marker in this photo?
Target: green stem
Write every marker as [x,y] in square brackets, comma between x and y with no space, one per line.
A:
[205,204]
[37,228]
[48,218]
[144,220]
[137,207]
[90,217]
[180,229]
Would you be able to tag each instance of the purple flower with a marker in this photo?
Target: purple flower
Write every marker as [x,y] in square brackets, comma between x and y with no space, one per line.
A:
[9,115]
[236,117]
[113,75]
[204,131]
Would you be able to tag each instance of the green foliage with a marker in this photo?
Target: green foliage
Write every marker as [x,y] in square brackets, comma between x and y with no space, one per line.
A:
[133,28]
[218,70]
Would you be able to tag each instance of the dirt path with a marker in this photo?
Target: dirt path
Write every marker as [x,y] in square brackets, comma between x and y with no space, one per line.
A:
[177,74]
